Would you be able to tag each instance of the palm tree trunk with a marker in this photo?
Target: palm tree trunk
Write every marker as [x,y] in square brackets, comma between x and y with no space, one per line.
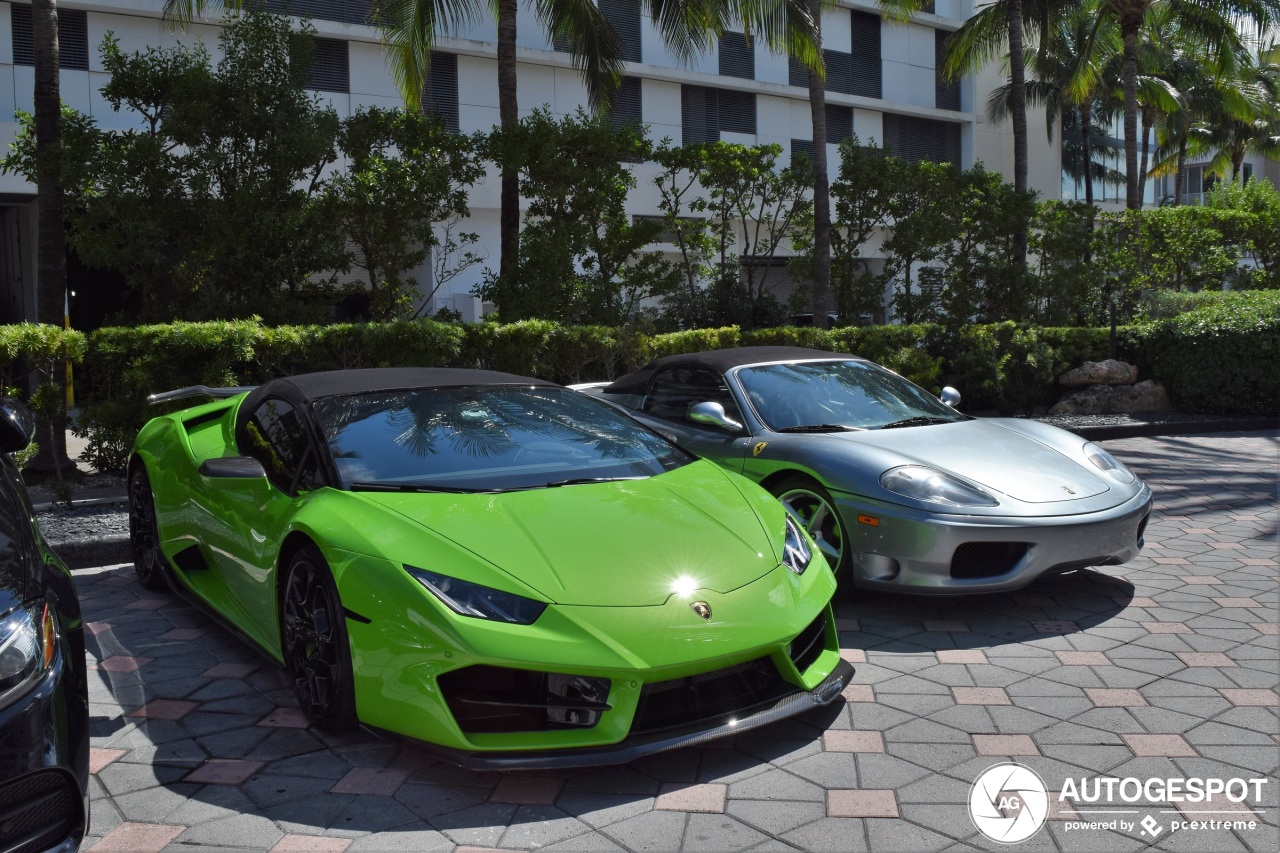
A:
[51,241]
[821,188]
[1086,128]
[1147,122]
[1018,82]
[509,117]
[1179,176]
[1130,23]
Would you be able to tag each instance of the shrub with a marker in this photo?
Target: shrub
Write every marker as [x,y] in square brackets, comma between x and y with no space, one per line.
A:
[1220,358]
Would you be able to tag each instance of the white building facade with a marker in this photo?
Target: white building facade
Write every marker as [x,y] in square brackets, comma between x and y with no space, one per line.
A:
[882,86]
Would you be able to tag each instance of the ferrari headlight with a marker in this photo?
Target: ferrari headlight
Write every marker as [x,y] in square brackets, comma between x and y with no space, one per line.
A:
[1108,464]
[27,645]
[480,602]
[932,486]
[796,553]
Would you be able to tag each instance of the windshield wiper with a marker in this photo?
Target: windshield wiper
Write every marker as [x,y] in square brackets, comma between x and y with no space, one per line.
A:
[818,428]
[415,487]
[582,481]
[918,420]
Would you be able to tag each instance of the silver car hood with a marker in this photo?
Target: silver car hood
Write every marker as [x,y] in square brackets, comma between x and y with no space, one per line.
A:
[989,452]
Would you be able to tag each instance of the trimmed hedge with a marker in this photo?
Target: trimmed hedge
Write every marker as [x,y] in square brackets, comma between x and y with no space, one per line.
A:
[1223,358]
[1217,359]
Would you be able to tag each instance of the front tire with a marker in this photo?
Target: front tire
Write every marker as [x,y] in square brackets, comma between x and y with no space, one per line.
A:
[313,633]
[144,532]
[811,505]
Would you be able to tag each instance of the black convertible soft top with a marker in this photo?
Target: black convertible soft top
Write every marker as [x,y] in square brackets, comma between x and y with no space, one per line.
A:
[306,387]
[718,360]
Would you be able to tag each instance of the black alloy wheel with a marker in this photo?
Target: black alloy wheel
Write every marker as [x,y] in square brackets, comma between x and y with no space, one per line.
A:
[314,641]
[144,534]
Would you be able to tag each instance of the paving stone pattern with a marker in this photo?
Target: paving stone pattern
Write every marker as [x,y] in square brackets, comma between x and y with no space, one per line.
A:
[1165,667]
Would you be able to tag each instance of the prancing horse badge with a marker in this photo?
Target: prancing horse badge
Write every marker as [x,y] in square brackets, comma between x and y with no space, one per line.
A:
[702,609]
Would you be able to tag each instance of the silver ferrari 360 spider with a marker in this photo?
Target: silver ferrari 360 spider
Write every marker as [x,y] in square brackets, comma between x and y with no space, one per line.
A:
[901,492]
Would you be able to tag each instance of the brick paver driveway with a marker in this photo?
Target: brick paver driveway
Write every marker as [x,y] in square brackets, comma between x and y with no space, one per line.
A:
[1162,669]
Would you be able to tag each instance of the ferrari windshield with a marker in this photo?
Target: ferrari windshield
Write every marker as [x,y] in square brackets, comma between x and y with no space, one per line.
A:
[836,395]
[486,438]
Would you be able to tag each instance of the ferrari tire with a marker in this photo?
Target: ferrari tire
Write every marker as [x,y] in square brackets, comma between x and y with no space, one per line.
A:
[144,533]
[313,633]
[810,504]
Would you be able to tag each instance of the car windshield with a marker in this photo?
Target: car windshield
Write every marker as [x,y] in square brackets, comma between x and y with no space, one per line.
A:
[486,438]
[836,395]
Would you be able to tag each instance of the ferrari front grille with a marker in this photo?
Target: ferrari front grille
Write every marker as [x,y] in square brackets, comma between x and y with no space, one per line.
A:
[709,698]
[806,647]
[986,559]
[498,699]
[38,812]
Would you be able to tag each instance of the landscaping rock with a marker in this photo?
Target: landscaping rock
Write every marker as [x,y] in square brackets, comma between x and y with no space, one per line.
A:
[1145,396]
[1109,372]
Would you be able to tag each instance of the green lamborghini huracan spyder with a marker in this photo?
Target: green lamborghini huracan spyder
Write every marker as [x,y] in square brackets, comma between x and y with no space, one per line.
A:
[506,571]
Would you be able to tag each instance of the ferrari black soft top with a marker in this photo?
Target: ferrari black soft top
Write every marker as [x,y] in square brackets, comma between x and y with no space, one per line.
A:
[718,360]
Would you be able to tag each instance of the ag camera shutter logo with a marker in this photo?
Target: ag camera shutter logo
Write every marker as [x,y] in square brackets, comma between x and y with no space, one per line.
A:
[1009,803]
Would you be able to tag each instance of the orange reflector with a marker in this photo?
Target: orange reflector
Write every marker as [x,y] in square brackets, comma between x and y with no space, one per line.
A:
[49,637]
[868,519]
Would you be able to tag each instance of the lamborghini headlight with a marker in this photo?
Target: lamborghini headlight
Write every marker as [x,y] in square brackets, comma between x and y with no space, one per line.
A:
[796,553]
[1108,464]
[932,486]
[27,644]
[481,602]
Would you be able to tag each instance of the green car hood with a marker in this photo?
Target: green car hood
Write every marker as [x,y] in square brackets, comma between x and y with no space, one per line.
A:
[628,543]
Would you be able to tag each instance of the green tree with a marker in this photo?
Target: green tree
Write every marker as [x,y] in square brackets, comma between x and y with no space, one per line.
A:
[209,206]
[406,181]
[1258,229]
[1069,281]
[924,216]
[582,258]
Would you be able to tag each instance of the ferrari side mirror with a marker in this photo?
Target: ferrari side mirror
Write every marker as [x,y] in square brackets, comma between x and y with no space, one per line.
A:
[713,414]
[949,396]
[17,425]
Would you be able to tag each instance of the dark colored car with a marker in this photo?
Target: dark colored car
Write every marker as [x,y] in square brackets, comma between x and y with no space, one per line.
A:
[44,709]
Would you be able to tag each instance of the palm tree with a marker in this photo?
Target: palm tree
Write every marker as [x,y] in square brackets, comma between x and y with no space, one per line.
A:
[51,238]
[1214,22]
[1067,81]
[1245,120]
[984,37]
[821,286]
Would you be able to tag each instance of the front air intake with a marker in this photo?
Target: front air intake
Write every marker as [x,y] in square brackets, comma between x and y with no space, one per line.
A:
[986,559]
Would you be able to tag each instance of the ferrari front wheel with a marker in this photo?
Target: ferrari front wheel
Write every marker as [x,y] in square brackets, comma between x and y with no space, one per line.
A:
[811,505]
[313,633]
[144,533]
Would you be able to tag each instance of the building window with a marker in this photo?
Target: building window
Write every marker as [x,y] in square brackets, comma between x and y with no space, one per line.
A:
[624,17]
[839,123]
[628,106]
[864,69]
[440,94]
[946,94]
[801,146]
[331,71]
[914,139]
[705,112]
[73,38]
[737,55]
[839,67]
[343,11]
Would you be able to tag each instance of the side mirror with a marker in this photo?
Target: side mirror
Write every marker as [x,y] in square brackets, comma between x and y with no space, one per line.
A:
[713,414]
[17,425]
[949,396]
[233,467]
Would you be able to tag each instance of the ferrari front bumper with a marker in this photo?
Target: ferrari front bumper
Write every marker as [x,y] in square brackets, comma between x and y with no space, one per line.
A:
[921,553]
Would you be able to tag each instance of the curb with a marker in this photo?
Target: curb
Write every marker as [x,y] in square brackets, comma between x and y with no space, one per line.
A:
[1149,429]
[92,553]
